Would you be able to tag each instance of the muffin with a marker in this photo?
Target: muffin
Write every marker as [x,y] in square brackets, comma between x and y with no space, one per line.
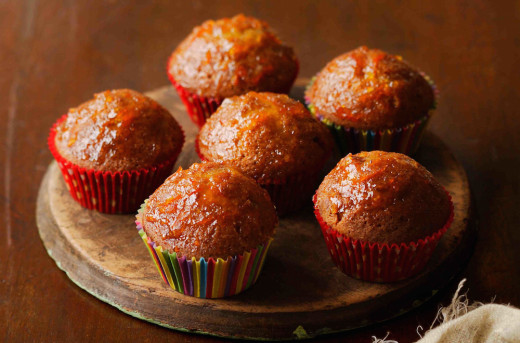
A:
[208,229]
[372,100]
[115,149]
[381,214]
[229,57]
[271,138]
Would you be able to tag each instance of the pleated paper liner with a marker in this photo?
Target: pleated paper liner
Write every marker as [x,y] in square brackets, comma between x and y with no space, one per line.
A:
[211,278]
[379,262]
[404,139]
[290,194]
[199,108]
[110,192]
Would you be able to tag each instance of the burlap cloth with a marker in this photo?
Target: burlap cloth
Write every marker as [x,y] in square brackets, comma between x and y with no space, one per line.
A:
[486,324]
[475,323]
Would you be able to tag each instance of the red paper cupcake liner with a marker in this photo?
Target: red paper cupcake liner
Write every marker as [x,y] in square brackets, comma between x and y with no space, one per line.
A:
[290,194]
[106,191]
[199,108]
[379,262]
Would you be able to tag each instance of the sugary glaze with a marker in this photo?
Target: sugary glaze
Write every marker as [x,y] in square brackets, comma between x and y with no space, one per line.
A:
[232,56]
[209,210]
[382,197]
[267,136]
[118,130]
[370,89]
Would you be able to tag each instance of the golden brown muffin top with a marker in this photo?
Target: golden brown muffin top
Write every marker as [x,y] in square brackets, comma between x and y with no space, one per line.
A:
[209,210]
[370,89]
[267,136]
[229,57]
[118,130]
[382,197]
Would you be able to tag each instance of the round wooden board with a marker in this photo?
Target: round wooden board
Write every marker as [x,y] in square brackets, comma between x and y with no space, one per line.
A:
[300,293]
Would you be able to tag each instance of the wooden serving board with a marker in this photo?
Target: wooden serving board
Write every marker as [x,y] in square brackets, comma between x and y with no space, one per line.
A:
[300,293]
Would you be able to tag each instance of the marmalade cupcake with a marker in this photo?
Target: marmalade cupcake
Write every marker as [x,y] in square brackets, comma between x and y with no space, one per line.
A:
[228,57]
[271,138]
[115,149]
[208,229]
[372,100]
[382,215]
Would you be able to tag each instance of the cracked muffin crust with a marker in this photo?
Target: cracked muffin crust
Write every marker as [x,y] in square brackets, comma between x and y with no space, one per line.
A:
[370,89]
[232,56]
[119,130]
[382,197]
[209,210]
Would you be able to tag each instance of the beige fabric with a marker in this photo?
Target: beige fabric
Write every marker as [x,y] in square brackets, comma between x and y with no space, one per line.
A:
[488,323]
[462,322]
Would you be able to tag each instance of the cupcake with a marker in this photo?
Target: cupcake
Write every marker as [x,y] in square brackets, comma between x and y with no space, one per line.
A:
[382,215]
[115,149]
[228,57]
[208,229]
[271,138]
[372,100]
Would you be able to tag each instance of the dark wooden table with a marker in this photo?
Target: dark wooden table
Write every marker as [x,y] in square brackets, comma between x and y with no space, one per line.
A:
[56,54]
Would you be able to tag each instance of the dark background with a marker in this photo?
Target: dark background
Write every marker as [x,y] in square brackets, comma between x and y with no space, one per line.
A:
[56,54]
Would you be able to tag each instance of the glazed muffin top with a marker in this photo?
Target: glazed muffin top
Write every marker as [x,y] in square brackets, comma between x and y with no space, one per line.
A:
[209,210]
[267,136]
[118,130]
[370,89]
[382,197]
[232,56]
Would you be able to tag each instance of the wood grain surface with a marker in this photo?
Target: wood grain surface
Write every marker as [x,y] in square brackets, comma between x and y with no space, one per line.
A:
[56,54]
[300,288]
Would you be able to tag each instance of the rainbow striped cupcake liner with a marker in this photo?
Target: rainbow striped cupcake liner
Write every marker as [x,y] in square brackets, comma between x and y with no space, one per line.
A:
[405,140]
[211,278]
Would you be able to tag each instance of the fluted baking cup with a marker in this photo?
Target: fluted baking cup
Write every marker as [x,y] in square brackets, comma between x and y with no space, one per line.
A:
[199,108]
[379,262]
[110,191]
[289,194]
[207,278]
[404,139]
